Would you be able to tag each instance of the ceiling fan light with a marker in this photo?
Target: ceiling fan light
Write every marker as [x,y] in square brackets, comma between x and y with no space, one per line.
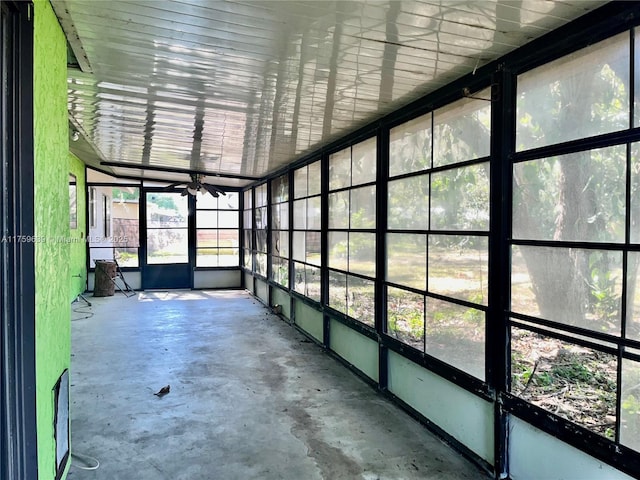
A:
[191,190]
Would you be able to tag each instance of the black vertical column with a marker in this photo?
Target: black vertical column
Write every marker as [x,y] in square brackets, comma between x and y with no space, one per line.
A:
[382,177]
[497,353]
[18,429]
[324,247]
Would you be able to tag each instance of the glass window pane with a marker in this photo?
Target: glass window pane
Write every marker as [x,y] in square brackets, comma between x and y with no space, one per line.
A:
[408,203]
[228,238]
[315,178]
[166,210]
[228,219]
[299,282]
[275,217]
[635,193]
[461,130]
[283,216]
[460,198]
[280,244]
[206,219]
[456,335]
[630,405]
[247,219]
[125,221]
[100,253]
[261,217]
[363,207]
[312,275]
[228,257]
[633,295]
[361,300]
[338,245]
[340,169]
[261,241]
[407,260]
[280,271]
[459,267]
[230,201]
[362,253]
[338,291]
[206,238]
[261,264]
[247,239]
[300,214]
[167,246]
[405,317]
[280,189]
[248,258]
[299,246]
[207,257]
[248,204]
[127,256]
[339,209]
[300,182]
[574,382]
[261,195]
[576,197]
[410,146]
[313,248]
[572,286]
[314,210]
[363,168]
[577,96]
[206,202]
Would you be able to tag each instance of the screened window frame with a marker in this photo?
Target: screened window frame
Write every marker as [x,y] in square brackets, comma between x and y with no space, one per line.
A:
[237,229]
[274,205]
[501,76]
[430,231]
[331,271]
[318,164]
[616,345]
[136,244]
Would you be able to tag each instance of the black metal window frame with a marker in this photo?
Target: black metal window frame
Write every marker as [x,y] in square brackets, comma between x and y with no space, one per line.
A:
[301,268]
[109,251]
[218,229]
[611,451]
[18,426]
[261,228]
[280,248]
[247,240]
[350,230]
[607,21]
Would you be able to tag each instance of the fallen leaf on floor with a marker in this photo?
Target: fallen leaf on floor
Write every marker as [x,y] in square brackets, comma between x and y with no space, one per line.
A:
[163,391]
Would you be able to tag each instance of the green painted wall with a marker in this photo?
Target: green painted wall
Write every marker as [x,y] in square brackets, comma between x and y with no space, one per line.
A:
[78,236]
[53,312]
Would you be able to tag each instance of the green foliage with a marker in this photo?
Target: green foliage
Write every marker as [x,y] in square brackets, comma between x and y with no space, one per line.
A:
[363,219]
[631,405]
[120,194]
[162,201]
[574,372]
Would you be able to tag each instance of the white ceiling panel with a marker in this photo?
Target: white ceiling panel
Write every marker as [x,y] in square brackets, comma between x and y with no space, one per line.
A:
[237,89]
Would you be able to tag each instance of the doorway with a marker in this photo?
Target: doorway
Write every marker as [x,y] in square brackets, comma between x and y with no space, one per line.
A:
[167,259]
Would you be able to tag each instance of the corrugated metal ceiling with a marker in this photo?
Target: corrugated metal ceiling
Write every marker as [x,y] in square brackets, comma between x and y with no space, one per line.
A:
[240,89]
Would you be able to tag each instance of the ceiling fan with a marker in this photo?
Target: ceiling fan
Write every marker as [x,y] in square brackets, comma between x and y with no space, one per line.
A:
[196,185]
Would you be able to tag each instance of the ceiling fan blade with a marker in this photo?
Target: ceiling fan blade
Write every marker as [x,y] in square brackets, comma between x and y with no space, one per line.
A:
[171,187]
[184,193]
[213,190]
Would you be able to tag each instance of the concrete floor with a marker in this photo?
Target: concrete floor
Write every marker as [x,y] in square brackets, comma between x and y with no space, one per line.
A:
[250,398]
